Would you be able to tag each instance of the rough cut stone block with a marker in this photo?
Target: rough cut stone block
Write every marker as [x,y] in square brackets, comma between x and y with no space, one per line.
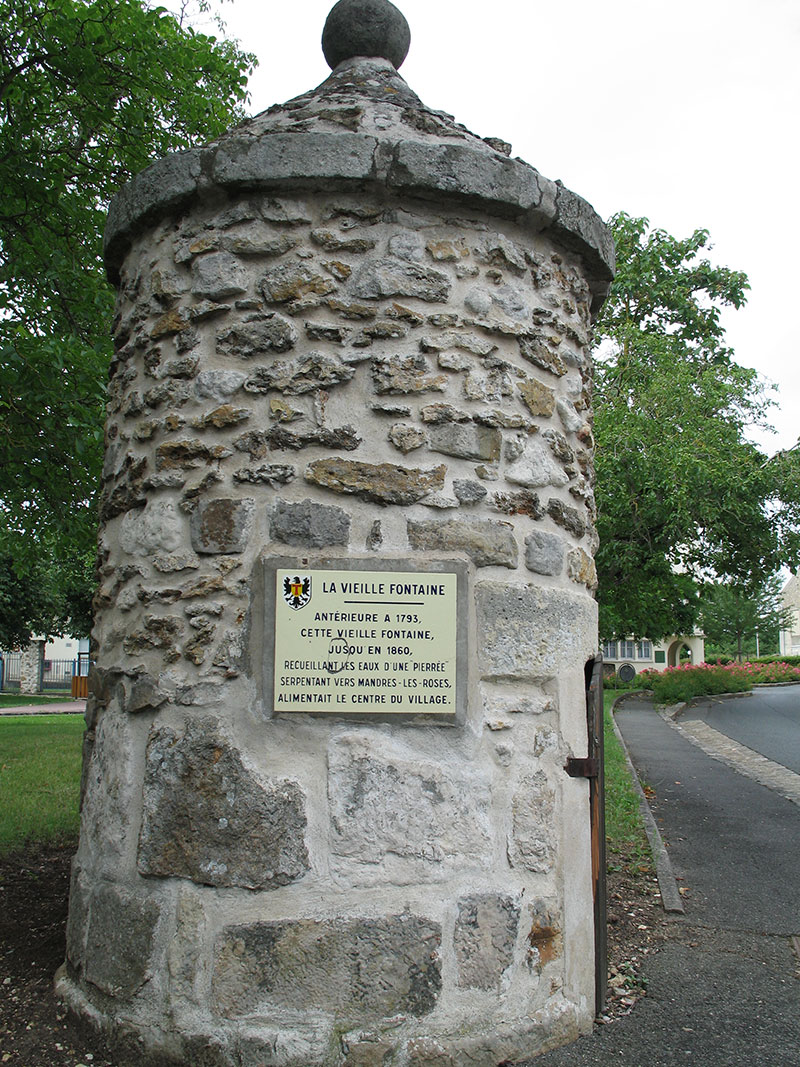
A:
[523,502]
[391,808]
[484,939]
[302,375]
[491,385]
[516,624]
[567,517]
[217,275]
[308,523]
[487,543]
[248,339]
[280,437]
[222,526]
[145,695]
[120,940]
[188,454]
[293,281]
[466,441]
[533,813]
[382,278]
[273,474]
[407,438]
[536,351]
[208,818]
[335,242]
[468,492]
[405,374]
[538,398]
[384,483]
[500,251]
[257,239]
[544,553]
[581,568]
[357,968]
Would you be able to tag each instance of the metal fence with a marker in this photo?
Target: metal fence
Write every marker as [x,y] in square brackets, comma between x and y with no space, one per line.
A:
[56,673]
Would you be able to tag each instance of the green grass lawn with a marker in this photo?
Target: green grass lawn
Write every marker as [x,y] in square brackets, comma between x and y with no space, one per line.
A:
[626,839]
[40,773]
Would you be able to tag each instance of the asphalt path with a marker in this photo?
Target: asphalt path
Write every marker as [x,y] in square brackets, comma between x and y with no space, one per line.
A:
[768,721]
[724,990]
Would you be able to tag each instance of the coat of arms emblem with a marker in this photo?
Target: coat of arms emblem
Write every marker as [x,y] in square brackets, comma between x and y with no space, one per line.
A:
[297,590]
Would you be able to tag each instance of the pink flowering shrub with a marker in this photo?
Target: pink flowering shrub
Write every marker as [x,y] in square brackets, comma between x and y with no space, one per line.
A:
[678,684]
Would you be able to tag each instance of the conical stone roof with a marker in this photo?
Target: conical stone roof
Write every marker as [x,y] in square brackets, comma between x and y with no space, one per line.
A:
[363,129]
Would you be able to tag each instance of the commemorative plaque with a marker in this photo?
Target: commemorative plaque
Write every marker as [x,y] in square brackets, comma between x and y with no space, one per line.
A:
[360,638]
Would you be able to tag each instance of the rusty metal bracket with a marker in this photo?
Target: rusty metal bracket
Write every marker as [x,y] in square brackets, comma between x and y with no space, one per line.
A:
[588,767]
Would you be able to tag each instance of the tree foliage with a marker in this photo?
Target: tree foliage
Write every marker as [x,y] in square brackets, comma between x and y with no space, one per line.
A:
[91,91]
[739,620]
[683,495]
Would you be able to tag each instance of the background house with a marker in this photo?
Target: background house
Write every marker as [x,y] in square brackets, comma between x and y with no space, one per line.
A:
[628,658]
[790,637]
[54,662]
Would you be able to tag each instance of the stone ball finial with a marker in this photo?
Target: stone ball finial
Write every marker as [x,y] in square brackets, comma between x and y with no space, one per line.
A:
[366,28]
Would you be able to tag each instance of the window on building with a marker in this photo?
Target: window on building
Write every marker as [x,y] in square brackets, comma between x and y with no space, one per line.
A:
[627,649]
[644,650]
[609,650]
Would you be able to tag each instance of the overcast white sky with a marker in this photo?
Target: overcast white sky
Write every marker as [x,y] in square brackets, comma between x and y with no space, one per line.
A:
[686,112]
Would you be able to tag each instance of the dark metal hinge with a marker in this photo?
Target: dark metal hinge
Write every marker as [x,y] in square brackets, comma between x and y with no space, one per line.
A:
[588,767]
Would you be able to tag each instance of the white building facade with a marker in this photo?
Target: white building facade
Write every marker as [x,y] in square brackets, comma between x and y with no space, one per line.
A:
[629,657]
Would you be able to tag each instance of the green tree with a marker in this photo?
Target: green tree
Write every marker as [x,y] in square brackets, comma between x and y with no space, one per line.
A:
[682,493]
[91,91]
[738,620]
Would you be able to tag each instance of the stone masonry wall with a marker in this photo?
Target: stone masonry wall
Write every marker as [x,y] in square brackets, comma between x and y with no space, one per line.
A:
[327,376]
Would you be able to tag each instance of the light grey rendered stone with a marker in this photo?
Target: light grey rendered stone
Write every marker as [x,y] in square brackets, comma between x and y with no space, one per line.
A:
[394,811]
[222,526]
[467,172]
[360,968]
[484,939]
[120,940]
[544,553]
[466,441]
[537,467]
[516,624]
[285,157]
[206,817]
[217,275]
[533,814]
[158,527]
[487,543]
[219,384]
[309,523]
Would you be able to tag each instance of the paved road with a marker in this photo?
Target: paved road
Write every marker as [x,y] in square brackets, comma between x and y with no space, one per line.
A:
[724,991]
[768,722]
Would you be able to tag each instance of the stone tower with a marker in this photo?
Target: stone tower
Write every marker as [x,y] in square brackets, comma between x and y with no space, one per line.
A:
[346,594]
